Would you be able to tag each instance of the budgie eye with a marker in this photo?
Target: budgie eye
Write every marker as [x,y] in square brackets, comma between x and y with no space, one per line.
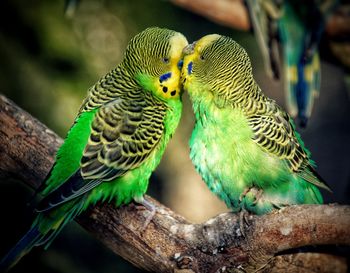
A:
[165,60]
[202,57]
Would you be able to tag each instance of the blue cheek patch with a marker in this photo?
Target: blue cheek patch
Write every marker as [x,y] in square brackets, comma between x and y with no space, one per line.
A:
[189,68]
[180,64]
[164,77]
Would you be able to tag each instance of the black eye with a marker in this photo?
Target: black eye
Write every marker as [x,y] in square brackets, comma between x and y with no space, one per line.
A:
[202,57]
[165,60]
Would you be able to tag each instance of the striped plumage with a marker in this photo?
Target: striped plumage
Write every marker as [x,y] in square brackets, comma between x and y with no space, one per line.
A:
[122,147]
[244,145]
[117,140]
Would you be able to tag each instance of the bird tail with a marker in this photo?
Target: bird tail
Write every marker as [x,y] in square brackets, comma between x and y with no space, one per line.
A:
[28,241]
[44,230]
[302,87]
[34,237]
[312,78]
[313,195]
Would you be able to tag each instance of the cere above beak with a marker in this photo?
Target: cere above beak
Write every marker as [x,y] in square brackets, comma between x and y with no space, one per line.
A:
[189,49]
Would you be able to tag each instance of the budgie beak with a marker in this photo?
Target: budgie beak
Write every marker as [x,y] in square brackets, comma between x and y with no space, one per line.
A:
[186,69]
[189,49]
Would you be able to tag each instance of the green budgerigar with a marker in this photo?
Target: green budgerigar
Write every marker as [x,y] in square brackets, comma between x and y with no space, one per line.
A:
[117,140]
[243,144]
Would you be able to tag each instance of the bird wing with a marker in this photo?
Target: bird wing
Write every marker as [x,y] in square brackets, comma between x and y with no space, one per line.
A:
[274,132]
[124,132]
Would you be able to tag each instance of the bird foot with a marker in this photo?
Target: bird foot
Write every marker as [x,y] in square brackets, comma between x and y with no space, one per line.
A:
[243,220]
[244,193]
[150,207]
[258,196]
[257,193]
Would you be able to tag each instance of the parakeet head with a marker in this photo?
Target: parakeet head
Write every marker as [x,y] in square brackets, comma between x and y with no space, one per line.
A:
[152,57]
[216,63]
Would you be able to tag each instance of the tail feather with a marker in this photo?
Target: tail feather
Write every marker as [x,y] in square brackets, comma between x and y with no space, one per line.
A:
[302,87]
[44,230]
[52,234]
[312,80]
[28,241]
[313,195]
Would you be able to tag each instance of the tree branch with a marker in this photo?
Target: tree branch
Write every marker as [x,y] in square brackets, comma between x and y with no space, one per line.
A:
[234,14]
[230,13]
[170,243]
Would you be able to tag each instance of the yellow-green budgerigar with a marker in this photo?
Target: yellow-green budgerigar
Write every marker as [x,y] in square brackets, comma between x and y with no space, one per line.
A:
[243,144]
[117,139]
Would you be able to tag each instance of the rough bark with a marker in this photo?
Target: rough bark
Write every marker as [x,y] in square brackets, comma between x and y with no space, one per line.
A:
[228,242]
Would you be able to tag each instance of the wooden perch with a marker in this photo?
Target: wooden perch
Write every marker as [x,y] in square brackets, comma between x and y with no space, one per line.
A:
[172,244]
[230,13]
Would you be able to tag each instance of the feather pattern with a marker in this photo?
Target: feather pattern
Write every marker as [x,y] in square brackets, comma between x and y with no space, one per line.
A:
[243,142]
[123,134]
[117,139]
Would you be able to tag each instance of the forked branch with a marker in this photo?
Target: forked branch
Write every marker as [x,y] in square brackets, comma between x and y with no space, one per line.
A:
[170,243]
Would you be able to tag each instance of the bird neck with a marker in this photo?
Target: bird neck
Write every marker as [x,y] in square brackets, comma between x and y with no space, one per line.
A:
[113,85]
[122,75]
[207,101]
[241,93]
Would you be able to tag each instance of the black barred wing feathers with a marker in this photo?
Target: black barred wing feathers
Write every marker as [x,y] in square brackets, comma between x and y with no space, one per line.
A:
[123,134]
[274,132]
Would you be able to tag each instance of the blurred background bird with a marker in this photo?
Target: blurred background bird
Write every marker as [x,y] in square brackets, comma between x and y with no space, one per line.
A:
[70,7]
[296,27]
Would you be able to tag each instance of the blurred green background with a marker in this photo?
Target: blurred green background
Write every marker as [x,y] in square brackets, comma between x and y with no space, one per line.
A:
[47,63]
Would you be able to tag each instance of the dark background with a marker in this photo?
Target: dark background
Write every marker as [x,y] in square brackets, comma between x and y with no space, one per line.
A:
[47,63]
